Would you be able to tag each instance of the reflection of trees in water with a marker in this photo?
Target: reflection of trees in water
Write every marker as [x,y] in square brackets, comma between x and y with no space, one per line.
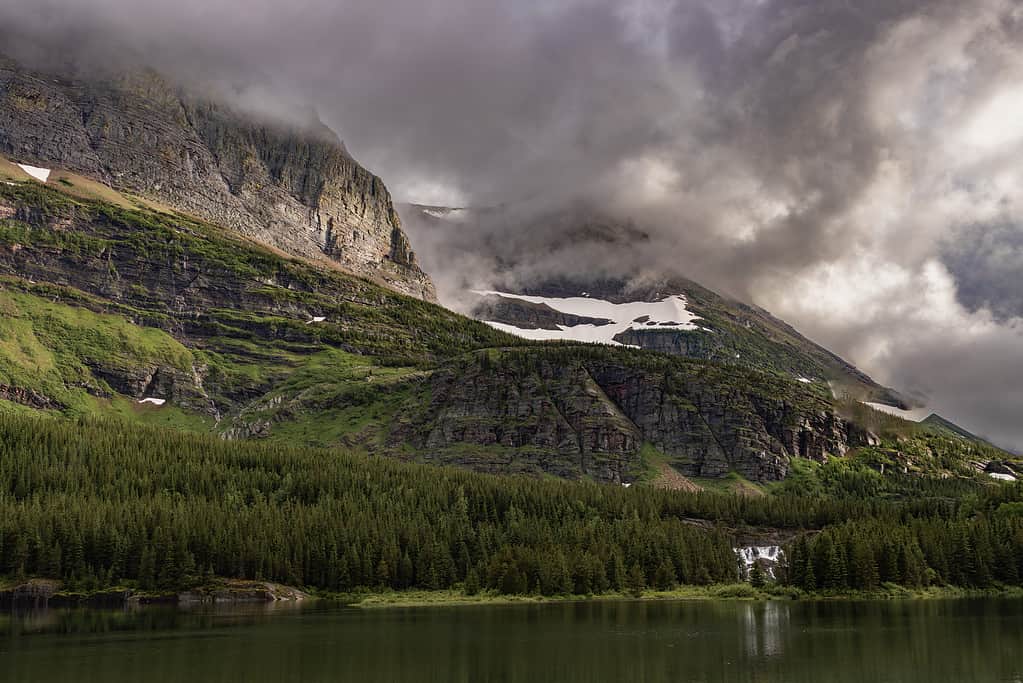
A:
[764,628]
[84,621]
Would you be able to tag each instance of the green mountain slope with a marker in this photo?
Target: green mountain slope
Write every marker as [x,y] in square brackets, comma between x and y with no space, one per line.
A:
[106,306]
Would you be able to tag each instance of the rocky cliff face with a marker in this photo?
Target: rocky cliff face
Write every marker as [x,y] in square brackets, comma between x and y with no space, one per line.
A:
[295,189]
[588,413]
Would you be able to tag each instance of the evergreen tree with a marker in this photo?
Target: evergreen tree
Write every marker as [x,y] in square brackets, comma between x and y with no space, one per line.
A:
[101,502]
[635,581]
[472,583]
[664,577]
[757,578]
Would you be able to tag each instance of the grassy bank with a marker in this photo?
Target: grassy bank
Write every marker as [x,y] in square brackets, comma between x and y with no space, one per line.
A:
[721,592]
[236,590]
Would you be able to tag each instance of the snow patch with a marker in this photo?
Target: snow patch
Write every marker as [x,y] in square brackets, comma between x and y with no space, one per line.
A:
[804,380]
[316,319]
[669,313]
[1001,477]
[154,401]
[40,174]
[915,415]
[443,214]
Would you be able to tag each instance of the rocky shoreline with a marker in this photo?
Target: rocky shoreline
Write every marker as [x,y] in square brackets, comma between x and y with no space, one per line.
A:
[41,593]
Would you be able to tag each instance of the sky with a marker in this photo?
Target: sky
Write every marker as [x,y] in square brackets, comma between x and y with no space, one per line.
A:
[851,166]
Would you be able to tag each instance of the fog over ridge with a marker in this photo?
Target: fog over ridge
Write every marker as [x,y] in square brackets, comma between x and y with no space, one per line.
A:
[851,166]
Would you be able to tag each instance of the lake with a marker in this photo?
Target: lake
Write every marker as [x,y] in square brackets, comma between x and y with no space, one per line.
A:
[941,640]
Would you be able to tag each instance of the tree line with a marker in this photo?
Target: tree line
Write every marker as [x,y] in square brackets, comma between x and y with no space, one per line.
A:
[97,503]
[101,503]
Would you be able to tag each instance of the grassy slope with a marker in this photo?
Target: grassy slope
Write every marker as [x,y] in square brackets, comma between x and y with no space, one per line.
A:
[82,187]
[743,335]
[281,293]
[54,348]
[336,382]
[335,398]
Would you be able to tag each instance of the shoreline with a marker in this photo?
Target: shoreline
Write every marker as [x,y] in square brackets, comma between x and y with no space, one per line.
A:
[716,593]
[48,593]
[38,592]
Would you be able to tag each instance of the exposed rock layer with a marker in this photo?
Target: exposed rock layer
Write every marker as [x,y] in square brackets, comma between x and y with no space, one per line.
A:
[295,189]
[581,413]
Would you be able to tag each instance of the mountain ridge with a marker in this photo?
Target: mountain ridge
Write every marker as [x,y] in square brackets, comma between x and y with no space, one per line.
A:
[730,331]
[268,347]
[294,188]
[119,305]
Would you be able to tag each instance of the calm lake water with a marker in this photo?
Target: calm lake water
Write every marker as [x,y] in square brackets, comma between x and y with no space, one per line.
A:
[956,640]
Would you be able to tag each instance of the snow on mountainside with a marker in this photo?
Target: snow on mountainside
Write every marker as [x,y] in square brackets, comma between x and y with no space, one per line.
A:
[443,213]
[40,174]
[556,255]
[669,313]
[915,415]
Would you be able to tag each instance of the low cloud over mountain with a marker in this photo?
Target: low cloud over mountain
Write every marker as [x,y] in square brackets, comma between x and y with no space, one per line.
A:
[851,166]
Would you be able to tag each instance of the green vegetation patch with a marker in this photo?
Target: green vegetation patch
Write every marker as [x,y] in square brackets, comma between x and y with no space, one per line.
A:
[54,355]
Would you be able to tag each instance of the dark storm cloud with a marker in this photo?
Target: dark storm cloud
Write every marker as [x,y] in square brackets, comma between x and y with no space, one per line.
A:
[815,156]
[987,263]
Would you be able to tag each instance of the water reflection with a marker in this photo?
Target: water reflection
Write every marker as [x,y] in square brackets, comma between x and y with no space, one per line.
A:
[77,621]
[764,626]
[591,641]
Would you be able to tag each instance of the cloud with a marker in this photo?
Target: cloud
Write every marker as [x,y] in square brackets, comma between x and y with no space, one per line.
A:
[851,166]
[911,325]
[986,260]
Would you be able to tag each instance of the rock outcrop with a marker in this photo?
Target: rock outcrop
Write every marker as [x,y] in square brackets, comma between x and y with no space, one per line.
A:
[234,591]
[528,315]
[580,413]
[32,593]
[41,593]
[294,188]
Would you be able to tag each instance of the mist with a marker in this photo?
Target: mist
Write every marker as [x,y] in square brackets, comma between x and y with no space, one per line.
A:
[850,166]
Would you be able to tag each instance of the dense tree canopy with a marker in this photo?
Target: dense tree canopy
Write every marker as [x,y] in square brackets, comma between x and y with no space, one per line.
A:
[103,502]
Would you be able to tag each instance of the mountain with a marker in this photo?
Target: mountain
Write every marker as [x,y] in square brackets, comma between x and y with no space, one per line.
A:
[544,296]
[164,319]
[108,306]
[294,188]
[133,288]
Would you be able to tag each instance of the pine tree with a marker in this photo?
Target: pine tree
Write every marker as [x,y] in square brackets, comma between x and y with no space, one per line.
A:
[147,569]
[757,578]
[635,581]
[616,574]
[664,577]
[472,583]
[809,576]
[512,581]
